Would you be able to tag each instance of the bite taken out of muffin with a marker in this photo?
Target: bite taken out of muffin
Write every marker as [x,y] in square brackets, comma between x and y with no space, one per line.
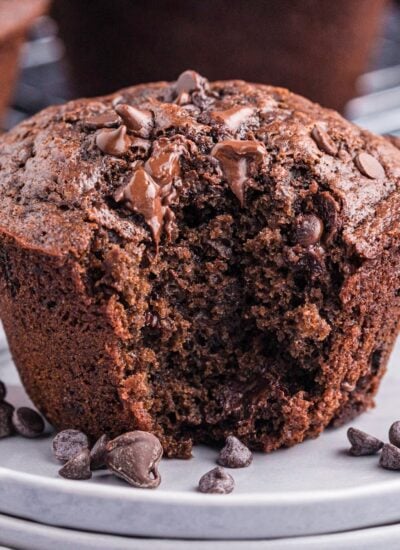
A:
[199,260]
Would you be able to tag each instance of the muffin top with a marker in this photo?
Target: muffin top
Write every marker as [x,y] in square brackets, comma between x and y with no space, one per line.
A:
[149,159]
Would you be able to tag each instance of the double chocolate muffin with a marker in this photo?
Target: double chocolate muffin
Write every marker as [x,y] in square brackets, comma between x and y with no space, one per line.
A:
[199,260]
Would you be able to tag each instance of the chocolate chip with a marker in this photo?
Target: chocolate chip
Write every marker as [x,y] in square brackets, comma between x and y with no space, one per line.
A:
[98,453]
[394,434]
[324,142]
[234,156]
[3,391]
[308,230]
[77,467]
[28,422]
[234,117]
[104,120]
[369,166]
[68,444]
[235,454]
[134,457]
[216,481]
[390,457]
[6,426]
[113,142]
[363,443]
[137,120]
[189,81]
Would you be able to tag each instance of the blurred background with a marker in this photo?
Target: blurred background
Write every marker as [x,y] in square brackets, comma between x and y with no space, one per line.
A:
[345,54]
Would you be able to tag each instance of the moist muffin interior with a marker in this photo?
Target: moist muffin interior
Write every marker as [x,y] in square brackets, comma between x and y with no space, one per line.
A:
[254,310]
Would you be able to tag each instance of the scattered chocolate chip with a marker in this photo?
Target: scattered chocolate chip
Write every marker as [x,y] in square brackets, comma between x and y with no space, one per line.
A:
[394,434]
[98,453]
[134,457]
[235,454]
[390,457]
[369,166]
[363,443]
[6,426]
[324,142]
[3,391]
[28,422]
[216,481]
[77,467]
[105,120]
[68,444]
[308,230]
[113,142]
[136,120]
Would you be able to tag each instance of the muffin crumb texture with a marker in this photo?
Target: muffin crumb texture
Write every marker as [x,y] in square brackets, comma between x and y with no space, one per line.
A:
[199,260]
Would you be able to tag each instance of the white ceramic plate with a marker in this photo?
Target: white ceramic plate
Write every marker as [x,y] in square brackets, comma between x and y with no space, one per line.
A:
[310,489]
[22,534]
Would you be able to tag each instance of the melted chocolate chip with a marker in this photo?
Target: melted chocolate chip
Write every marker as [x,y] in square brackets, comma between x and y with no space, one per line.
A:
[369,166]
[164,165]
[141,195]
[105,120]
[234,156]
[308,230]
[113,142]
[136,120]
[324,142]
[234,117]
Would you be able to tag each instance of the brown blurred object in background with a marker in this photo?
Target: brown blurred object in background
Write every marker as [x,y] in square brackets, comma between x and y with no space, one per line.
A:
[15,19]
[317,48]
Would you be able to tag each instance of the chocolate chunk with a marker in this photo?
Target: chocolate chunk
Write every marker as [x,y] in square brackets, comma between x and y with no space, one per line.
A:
[394,434]
[134,457]
[28,422]
[68,444]
[390,457]
[363,443]
[234,117]
[136,120]
[77,467]
[113,142]
[98,453]
[3,391]
[308,230]
[235,454]
[141,194]
[216,481]
[189,81]
[6,425]
[234,156]
[369,166]
[328,210]
[324,142]
[104,120]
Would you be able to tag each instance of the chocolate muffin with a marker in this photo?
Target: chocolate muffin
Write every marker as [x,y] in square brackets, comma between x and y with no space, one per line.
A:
[199,260]
[15,19]
[317,48]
